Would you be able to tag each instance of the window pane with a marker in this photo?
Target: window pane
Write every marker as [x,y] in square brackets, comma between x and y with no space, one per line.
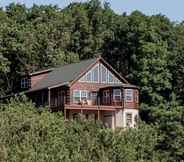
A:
[95,74]
[76,93]
[111,78]
[128,119]
[25,83]
[83,93]
[103,74]
[83,78]
[88,76]
[117,94]
[129,95]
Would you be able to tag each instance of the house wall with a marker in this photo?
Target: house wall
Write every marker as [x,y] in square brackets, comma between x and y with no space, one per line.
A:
[134,112]
[108,118]
[119,118]
[86,86]
[96,86]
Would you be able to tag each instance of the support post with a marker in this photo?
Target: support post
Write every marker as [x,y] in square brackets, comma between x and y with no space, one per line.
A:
[98,114]
[81,111]
[123,97]
[114,119]
[65,114]
[49,98]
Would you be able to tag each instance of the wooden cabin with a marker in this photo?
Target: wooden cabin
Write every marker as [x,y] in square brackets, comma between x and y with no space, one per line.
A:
[91,87]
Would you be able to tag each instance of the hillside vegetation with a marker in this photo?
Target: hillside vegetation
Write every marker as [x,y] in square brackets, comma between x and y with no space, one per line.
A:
[29,135]
[147,50]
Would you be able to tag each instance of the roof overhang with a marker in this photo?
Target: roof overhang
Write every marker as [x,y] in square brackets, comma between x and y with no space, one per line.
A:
[121,86]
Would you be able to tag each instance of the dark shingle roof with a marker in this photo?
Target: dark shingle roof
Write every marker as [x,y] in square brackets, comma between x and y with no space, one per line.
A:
[64,74]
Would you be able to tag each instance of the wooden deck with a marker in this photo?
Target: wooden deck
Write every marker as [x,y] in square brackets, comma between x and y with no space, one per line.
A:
[91,107]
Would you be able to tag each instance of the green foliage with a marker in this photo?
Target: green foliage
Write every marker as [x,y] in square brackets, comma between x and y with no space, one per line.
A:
[148,50]
[27,134]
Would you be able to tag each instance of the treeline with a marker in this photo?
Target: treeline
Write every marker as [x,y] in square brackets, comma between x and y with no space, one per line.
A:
[147,50]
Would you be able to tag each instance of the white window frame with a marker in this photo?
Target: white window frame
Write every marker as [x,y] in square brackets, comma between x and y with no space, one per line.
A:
[82,92]
[116,95]
[84,77]
[80,95]
[107,73]
[76,96]
[129,93]
[92,74]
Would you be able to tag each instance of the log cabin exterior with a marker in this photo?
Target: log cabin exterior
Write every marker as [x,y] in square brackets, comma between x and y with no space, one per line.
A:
[91,87]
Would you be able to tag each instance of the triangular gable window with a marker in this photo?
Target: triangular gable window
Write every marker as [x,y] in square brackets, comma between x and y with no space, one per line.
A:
[100,74]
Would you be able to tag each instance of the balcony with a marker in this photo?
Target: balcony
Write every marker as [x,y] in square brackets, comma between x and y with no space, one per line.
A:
[91,104]
[105,99]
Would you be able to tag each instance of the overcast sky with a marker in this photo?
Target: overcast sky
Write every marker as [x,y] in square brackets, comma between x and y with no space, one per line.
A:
[174,9]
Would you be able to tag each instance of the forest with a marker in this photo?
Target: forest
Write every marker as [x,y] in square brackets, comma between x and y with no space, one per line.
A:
[147,50]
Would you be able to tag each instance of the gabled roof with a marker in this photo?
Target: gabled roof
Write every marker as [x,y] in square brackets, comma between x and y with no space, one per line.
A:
[68,74]
[63,75]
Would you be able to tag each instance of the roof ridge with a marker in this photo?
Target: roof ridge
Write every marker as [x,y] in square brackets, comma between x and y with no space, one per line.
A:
[80,61]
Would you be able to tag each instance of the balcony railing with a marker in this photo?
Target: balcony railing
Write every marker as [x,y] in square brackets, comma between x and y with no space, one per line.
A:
[97,102]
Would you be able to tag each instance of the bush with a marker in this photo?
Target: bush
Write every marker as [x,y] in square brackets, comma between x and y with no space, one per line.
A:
[27,134]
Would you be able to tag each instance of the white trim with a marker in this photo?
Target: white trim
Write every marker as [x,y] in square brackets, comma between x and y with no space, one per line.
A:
[80,94]
[129,93]
[107,72]
[92,77]
[114,95]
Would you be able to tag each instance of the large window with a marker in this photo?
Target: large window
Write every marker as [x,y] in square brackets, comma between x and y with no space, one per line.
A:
[104,74]
[95,74]
[129,95]
[25,83]
[80,95]
[84,95]
[117,94]
[92,75]
[99,74]
[76,96]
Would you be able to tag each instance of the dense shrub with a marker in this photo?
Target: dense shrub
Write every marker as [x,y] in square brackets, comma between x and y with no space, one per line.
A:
[27,134]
